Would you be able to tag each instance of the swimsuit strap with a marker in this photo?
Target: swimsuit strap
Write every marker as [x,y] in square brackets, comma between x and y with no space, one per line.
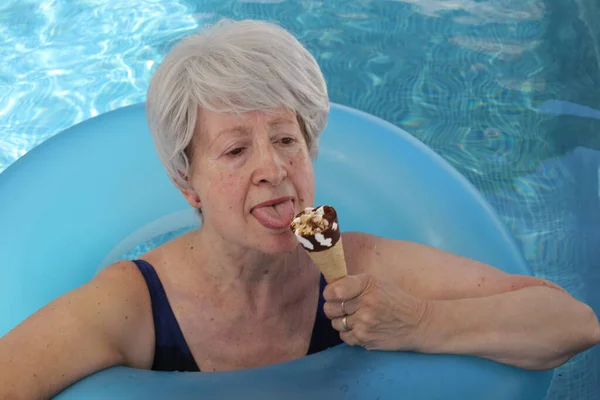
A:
[171,352]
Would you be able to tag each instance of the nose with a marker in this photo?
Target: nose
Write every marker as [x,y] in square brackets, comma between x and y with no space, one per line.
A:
[270,168]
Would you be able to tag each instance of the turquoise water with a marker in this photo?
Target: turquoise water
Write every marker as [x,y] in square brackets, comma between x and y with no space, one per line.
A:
[467,77]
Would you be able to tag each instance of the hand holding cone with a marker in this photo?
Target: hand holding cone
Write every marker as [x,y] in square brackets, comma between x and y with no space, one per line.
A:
[318,231]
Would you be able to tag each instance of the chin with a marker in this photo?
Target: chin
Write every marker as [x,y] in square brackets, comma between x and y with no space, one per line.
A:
[281,245]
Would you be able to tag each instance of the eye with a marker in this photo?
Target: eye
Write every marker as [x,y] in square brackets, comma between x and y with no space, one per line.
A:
[287,140]
[236,152]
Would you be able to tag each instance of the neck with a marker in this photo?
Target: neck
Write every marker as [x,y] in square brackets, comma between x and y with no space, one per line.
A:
[264,284]
[231,266]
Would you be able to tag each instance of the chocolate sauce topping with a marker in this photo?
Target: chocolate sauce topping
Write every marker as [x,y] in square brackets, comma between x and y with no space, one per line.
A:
[330,234]
[321,235]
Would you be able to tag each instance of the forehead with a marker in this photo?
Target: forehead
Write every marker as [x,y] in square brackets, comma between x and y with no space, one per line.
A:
[211,123]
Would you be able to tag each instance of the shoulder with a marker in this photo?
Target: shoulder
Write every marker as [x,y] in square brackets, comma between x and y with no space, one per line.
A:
[364,251]
[367,247]
[425,271]
[120,293]
[118,271]
[367,241]
[379,252]
[124,280]
[122,284]
[121,273]
[354,238]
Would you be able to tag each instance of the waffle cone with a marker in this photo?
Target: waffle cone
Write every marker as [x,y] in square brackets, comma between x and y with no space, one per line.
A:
[331,262]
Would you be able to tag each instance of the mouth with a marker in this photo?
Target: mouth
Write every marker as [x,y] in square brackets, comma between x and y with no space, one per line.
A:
[276,213]
[274,202]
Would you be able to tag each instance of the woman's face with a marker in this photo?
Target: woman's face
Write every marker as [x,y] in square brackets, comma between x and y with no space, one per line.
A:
[252,174]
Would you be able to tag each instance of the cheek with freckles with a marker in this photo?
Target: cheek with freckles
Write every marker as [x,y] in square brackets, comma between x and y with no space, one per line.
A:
[226,191]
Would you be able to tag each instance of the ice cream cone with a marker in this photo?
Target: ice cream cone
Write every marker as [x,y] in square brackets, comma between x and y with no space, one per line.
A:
[331,262]
[317,229]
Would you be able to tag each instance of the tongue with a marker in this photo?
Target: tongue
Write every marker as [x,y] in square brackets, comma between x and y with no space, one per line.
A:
[275,217]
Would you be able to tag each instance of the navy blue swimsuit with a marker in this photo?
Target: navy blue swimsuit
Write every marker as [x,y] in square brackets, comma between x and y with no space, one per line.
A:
[171,352]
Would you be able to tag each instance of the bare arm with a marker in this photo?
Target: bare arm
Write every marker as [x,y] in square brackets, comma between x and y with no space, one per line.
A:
[104,323]
[429,273]
[475,309]
[533,328]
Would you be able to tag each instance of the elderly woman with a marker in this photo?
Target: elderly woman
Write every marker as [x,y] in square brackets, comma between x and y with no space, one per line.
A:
[236,113]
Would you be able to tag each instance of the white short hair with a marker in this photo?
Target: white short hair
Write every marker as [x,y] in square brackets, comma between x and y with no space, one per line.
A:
[239,66]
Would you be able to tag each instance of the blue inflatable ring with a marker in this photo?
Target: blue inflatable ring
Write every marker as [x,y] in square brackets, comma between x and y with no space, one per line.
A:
[87,195]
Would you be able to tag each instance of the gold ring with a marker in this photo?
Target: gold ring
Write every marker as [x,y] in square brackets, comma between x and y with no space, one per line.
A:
[345,324]
[344,310]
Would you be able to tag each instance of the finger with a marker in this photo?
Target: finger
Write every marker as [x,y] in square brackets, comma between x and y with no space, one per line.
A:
[346,288]
[338,324]
[334,309]
[349,338]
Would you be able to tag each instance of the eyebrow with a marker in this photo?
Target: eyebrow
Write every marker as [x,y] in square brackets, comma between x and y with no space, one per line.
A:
[281,121]
[240,129]
[245,130]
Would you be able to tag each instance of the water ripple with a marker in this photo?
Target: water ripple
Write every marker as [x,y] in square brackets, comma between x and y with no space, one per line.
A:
[69,62]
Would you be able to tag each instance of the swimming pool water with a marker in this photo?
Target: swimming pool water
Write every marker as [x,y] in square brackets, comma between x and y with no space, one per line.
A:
[467,77]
